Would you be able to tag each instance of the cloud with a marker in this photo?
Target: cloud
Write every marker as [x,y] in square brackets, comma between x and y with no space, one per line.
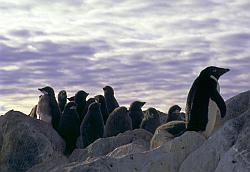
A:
[147,50]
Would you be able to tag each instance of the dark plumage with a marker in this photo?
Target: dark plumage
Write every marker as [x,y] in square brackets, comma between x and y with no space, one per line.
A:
[53,107]
[100,99]
[69,127]
[174,113]
[88,103]
[151,120]
[136,114]
[80,100]
[110,98]
[203,89]
[118,122]
[62,99]
[92,126]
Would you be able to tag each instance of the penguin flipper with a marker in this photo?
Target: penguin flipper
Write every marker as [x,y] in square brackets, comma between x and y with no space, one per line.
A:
[215,96]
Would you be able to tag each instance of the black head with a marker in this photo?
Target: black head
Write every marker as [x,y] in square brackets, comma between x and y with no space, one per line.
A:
[108,90]
[213,71]
[94,107]
[47,90]
[91,100]
[80,96]
[152,113]
[121,109]
[136,105]
[99,98]
[62,95]
[174,109]
[71,99]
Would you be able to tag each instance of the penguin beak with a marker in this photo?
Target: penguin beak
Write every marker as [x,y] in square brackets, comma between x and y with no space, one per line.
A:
[227,70]
[71,98]
[224,71]
[42,90]
[143,103]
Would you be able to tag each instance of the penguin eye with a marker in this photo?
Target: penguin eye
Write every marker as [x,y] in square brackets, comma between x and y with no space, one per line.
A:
[214,70]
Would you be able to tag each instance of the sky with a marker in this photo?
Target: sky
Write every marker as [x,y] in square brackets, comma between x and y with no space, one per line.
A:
[146,50]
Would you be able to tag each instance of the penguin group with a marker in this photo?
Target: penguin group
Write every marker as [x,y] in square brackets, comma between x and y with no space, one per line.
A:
[78,118]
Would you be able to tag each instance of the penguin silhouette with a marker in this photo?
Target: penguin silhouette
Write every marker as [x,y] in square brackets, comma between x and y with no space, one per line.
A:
[118,121]
[110,98]
[204,100]
[69,127]
[174,113]
[62,99]
[151,120]
[47,107]
[101,99]
[136,114]
[88,103]
[92,126]
[80,100]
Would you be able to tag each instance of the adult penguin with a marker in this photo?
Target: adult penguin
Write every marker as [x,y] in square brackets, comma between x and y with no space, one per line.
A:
[110,98]
[47,107]
[80,100]
[151,120]
[69,126]
[62,99]
[100,99]
[204,100]
[92,126]
[118,121]
[136,114]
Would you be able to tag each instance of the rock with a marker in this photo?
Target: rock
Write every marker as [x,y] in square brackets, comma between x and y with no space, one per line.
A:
[103,146]
[26,141]
[53,162]
[235,106]
[237,158]
[134,147]
[165,158]
[234,135]
[161,135]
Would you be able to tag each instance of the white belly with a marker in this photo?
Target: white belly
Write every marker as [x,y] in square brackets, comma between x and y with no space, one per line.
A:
[213,110]
[43,109]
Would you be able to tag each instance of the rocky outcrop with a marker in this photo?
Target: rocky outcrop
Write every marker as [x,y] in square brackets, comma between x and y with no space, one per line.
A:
[165,158]
[103,146]
[235,106]
[231,139]
[51,163]
[26,141]
[136,146]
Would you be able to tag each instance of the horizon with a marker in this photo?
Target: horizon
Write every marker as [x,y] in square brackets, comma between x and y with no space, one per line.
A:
[148,51]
